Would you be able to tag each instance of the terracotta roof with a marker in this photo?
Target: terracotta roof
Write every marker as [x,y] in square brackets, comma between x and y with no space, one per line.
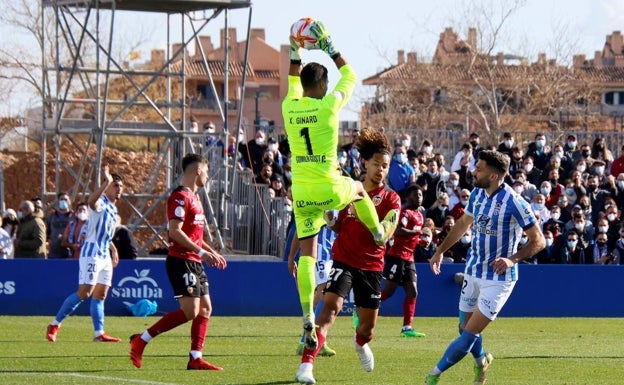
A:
[603,75]
[459,72]
[195,69]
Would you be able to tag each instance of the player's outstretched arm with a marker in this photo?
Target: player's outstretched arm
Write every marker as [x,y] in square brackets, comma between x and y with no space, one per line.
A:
[462,224]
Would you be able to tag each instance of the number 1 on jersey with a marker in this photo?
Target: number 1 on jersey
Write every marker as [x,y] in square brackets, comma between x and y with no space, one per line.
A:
[306,135]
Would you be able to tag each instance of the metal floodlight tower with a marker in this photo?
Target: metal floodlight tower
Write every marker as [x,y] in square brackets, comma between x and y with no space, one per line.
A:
[80,112]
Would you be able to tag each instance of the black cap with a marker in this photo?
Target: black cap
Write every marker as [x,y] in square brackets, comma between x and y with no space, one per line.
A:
[571,136]
[277,177]
[474,135]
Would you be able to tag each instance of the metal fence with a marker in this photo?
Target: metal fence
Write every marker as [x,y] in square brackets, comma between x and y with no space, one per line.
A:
[249,221]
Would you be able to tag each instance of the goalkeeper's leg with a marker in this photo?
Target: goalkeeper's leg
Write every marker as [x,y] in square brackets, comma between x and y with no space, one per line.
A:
[306,282]
[366,212]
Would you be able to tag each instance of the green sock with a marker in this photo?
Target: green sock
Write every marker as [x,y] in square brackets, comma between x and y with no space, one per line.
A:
[367,214]
[306,283]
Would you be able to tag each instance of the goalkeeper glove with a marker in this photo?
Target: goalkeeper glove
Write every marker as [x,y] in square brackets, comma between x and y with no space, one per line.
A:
[323,40]
[295,51]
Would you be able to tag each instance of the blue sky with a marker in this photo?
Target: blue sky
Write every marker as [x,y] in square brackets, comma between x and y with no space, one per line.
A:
[369,33]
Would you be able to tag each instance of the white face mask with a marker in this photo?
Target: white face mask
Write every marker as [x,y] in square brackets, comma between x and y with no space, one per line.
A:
[428,149]
[620,184]
[82,216]
[549,241]
[579,226]
[611,217]
[603,229]
[528,167]
[406,143]
[580,168]
[555,216]
[260,141]
[465,239]
[273,147]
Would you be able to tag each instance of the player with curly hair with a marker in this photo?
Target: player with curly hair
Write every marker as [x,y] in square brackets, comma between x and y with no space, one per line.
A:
[358,258]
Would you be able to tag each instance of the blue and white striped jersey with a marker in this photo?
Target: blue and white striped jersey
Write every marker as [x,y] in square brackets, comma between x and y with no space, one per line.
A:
[498,223]
[326,238]
[100,229]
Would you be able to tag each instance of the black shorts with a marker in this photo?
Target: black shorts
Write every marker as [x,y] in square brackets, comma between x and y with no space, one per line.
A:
[187,278]
[366,285]
[399,270]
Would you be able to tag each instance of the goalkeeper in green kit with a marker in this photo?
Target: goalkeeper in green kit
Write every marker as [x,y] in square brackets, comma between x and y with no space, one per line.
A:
[311,122]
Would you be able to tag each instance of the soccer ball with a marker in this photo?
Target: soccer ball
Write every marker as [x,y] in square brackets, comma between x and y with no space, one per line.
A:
[300,32]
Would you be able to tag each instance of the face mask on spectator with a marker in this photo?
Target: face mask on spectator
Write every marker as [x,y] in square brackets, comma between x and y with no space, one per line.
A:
[465,239]
[545,190]
[571,144]
[401,158]
[82,216]
[528,167]
[603,229]
[405,143]
[538,206]
[579,226]
[620,184]
[549,241]
[611,217]
[273,147]
[540,143]
[63,205]
[260,141]
[508,143]
[555,216]
[572,244]
[580,168]
[354,152]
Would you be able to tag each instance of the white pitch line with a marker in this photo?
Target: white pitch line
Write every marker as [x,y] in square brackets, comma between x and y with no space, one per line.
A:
[123,380]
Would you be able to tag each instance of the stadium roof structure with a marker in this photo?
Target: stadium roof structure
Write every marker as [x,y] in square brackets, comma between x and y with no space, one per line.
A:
[82,75]
[160,6]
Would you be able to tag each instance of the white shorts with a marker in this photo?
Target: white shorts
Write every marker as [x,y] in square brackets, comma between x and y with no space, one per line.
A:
[489,295]
[95,270]
[322,271]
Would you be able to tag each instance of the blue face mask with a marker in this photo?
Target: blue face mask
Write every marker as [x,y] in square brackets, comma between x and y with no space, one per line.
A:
[20,215]
[63,205]
[354,152]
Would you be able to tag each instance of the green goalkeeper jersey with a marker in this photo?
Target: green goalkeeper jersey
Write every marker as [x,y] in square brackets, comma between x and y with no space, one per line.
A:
[312,128]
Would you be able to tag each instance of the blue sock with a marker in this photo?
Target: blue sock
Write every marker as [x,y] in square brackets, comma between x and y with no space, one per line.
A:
[457,350]
[477,349]
[70,304]
[318,308]
[97,314]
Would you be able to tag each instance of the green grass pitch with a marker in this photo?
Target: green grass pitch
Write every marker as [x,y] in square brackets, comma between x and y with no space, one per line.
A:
[260,351]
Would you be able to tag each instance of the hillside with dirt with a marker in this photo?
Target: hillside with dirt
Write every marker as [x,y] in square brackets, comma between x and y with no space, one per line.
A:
[22,178]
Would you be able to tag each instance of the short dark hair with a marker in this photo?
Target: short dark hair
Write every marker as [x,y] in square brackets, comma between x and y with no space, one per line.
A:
[312,74]
[117,178]
[192,159]
[496,160]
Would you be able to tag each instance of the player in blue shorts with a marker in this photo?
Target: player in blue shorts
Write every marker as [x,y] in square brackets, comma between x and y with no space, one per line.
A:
[499,217]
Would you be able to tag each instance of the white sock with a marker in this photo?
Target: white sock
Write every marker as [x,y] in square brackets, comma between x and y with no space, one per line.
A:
[196,354]
[145,336]
[55,322]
